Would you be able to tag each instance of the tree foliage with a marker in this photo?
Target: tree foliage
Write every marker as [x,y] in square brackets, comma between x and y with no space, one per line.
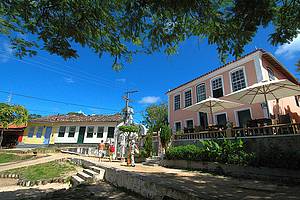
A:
[148,144]
[34,116]
[298,65]
[165,136]
[129,129]
[122,28]
[156,116]
[11,114]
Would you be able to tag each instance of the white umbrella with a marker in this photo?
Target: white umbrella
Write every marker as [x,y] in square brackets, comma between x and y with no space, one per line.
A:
[266,90]
[212,105]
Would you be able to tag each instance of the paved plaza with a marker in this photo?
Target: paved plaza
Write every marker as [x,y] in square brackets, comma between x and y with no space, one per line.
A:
[203,185]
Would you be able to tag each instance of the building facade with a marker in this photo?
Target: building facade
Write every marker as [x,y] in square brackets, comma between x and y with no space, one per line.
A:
[252,68]
[72,129]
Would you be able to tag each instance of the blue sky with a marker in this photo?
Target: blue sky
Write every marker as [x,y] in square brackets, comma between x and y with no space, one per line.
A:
[90,80]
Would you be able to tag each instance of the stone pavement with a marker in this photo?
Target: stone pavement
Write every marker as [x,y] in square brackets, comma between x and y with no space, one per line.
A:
[203,185]
[208,186]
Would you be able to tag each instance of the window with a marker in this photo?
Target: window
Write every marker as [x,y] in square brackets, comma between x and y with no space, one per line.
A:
[111,132]
[188,98]
[61,132]
[217,87]
[90,132]
[72,131]
[271,74]
[100,131]
[189,124]
[201,92]
[297,99]
[238,80]
[177,102]
[39,132]
[221,119]
[31,132]
[178,126]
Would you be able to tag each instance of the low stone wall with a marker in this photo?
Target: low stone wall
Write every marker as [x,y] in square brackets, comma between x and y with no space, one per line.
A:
[139,183]
[261,173]
[261,144]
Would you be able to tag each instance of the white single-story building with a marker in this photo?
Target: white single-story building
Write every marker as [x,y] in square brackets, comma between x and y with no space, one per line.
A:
[72,129]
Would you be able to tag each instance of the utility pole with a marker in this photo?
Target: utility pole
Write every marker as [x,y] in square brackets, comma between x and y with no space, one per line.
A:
[9,98]
[127,110]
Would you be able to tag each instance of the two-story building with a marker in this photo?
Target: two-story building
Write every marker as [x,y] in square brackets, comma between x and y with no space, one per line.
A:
[72,129]
[252,68]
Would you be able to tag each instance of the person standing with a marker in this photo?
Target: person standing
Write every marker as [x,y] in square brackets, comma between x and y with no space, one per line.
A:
[133,150]
[111,151]
[101,147]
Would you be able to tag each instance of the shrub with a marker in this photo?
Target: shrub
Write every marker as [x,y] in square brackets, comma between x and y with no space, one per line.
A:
[223,151]
[148,145]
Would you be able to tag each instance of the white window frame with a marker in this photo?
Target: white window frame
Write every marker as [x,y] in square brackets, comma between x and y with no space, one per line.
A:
[211,88]
[192,119]
[186,90]
[197,91]
[236,114]
[220,113]
[179,101]
[180,124]
[245,76]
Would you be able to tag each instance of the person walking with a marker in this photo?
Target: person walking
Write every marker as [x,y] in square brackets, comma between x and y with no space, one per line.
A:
[133,149]
[111,151]
[101,147]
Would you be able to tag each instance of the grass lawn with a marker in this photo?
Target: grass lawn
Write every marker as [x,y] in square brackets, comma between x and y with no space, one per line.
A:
[44,171]
[9,157]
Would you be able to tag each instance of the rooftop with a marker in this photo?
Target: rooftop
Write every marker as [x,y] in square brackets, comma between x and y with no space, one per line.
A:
[80,118]
[265,54]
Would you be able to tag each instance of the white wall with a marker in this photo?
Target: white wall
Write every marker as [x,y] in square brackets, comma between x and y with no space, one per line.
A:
[93,140]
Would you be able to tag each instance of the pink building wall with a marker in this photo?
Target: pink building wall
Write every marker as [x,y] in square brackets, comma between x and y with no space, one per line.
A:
[255,70]
[286,105]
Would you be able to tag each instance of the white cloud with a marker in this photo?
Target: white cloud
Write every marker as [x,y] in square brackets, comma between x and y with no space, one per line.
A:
[5,52]
[121,80]
[149,100]
[289,50]
[69,80]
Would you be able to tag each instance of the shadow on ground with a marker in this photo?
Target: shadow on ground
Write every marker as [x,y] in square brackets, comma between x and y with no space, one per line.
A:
[95,191]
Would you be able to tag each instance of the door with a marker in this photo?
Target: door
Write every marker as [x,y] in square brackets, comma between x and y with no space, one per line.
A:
[47,135]
[81,135]
[243,116]
[203,122]
[221,119]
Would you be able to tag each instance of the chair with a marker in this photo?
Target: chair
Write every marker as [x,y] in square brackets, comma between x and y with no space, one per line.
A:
[285,119]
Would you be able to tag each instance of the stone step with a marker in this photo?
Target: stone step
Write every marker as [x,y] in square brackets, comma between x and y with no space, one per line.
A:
[150,164]
[96,169]
[100,172]
[90,172]
[76,180]
[85,176]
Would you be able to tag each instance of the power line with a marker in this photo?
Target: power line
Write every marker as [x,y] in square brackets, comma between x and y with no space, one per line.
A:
[61,102]
[65,72]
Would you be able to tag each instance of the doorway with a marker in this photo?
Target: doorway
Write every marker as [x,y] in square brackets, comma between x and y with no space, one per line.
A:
[81,135]
[243,117]
[47,135]
[221,119]
[203,122]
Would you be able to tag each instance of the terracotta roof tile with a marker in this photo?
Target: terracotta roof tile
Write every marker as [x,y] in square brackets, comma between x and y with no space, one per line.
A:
[80,118]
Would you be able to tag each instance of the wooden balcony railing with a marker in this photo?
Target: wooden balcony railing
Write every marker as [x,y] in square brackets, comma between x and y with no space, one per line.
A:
[279,129]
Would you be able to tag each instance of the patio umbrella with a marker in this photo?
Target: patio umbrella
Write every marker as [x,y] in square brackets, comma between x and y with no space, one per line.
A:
[265,91]
[212,105]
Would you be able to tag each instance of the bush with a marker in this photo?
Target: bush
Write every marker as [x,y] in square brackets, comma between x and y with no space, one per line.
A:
[223,151]
[148,145]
